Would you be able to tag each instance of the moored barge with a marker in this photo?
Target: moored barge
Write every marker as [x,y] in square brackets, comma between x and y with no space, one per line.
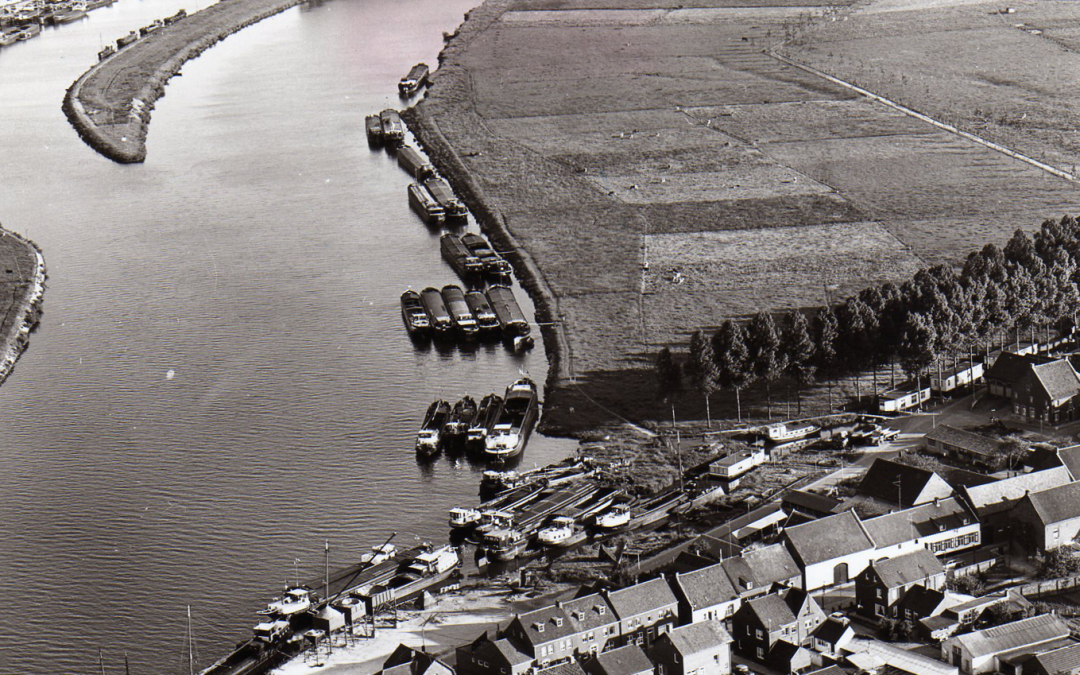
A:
[461,417]
[460,314]
[494,264]
[413,314]
[410,159]
[429,438]
[429,210]
[511,319]
[438,314]
[412,82]
[517,417]
[373,128]
[486,319]
[454,252]
[393,129]
[452,206]
[485,418]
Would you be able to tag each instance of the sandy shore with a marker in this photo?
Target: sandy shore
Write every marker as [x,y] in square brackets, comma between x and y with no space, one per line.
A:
[110,104]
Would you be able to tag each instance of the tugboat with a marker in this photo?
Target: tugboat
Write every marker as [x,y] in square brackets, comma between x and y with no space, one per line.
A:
[438,314]
[511,318]
[296,599]
[517,416]
[413,314]
[467,265]
[460,314]
[457,425]
[485,417]
[393,130]
[442,193]
[429,210]
[412,82]
[373,126]
[428,440]
[486,319]
[494,264]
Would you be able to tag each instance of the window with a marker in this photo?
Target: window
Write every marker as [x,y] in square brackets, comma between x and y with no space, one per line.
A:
[558,621]
[760,634]
[760,653]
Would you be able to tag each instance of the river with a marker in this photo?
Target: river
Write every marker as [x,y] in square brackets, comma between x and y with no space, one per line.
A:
[221,381]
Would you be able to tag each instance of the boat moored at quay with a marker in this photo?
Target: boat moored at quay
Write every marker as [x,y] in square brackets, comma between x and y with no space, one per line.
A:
[438,314]
[512,320]
[454,252]
[414,315]
[460,315]
[486,320]
[494,264]
[412,82]
[393,129]
[429,438]
[429,210]
[452,206]
[517,417]
[485,417]
[373,129]
[410,159]
[457,425]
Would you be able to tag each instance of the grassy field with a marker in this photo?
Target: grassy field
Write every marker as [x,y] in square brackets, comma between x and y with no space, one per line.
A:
[619,141]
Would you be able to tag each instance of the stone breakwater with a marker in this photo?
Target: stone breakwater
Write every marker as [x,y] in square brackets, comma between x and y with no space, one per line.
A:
[24,314]
[111,103]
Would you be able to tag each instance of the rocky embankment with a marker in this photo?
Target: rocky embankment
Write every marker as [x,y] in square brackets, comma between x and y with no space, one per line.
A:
[110,104]
[23,281]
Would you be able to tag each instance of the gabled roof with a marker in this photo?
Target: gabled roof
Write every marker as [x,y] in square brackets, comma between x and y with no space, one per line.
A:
[810,501]
[511,653]
[546,624]
[1070,458]
[971,442]
[767,565]
[771,610]
[642,598]
[918,521]
[1056,380]
[589,612]
[783,653]
[1000,495]
[906,569]
[628,660]
[1009,367]
[832,629]
[922,601]
[698,637]
[485,646]
[569,668]
[1008,636]
[1061,661]
[828,538]
[890,480]
[1056,504]
[706,587]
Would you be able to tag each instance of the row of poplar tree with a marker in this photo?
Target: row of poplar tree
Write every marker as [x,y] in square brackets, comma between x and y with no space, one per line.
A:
[940,314]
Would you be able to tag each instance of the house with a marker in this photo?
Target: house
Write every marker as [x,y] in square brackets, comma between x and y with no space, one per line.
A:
[790,614]
[903,484]
[977,652]
[829,550]
[992,501]
[1060,661]
[567,668]
[809,503]
[832,635]
[961,614]
[405,660]
[736,464]
[756,570]
[1048,518]
[906,396]
[881,586]
[702,648]
[545,634]
[484,656]
[963,445]
[628,660]
[1070,458]
[705,595]
[594,621]
[1048,393]
[785,657]
[877,656]
[645,611]
[961,375]
[943,526]
[1007,370]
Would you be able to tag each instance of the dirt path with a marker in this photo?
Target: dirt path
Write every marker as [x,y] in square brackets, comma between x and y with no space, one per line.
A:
[110,104]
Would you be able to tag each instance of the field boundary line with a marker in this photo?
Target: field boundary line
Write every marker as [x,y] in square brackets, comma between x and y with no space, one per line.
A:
[926,118]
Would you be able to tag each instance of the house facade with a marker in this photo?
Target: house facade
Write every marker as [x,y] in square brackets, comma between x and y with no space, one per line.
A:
[881,586]
[830,551]
[790,615]
[977,652]
[1049,518]
[705,595]
[645,611]
[702,648]
[944,526]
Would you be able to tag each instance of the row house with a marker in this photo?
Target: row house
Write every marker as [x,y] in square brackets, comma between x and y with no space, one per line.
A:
[755,571]
[789,615]
[992,502]
[702,648]
[980,651]
[405,660]
[1050,518]
[628,660]
[594,621]
[943,526]
[829,550]
[881,586]
[645,611]
[484,656]
[705,595]
[545,634]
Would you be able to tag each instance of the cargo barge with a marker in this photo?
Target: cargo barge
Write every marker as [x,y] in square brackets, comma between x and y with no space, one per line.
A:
[457,425]
[414,315]
[460,314]
[429,438]
[452,206]
[410,159]
[412,82]
[518,415]
[512,320]
[393,129]
[494,264]
[485,418]
[486,319]
[425,205]
[373,128]
[454,252]
[438,314]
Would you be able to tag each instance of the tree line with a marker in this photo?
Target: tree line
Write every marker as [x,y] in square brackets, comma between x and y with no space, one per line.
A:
[942,313]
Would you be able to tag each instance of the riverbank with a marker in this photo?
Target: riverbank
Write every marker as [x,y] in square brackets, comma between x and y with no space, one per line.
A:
[24,275]
[662,171]
[111,103]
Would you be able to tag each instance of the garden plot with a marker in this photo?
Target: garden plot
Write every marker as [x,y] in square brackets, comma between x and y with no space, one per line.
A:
[748,181]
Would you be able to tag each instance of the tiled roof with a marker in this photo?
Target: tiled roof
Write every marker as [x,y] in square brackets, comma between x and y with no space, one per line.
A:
[1057,379]
[967,440]
[589,612]
[1000,495]
[888,480]
[706,587]
[1070,458]
[1009,367]
[810,501]
[628,660]
[510,652]
[1058,503]
[959,478]
[828,538]
[570,668]
[922,601]
[831,630]
[698,637]
[546,624]
[918,521]
[1012,635]
[771,564]
[772,611]
[908,568]
[642,598]
[1065,660]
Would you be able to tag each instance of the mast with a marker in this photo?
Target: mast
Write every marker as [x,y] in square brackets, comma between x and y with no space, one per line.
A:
[101,661]
[191,644]
[326,591]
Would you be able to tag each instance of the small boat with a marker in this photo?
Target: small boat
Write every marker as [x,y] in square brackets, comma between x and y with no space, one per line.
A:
[494,264]
[460,314]
[373,126]
[105,53]
[467,265]
[429,210]
[70,16]
[523,343]
[169,20]
[412,82]
[504,544]
[31,31]
[9,38]
[126,40]
[486,319]
[410,159]
[511,319]
[517,417]
[393,129]
[438,314]
[614,518]
[294,600]
[413,314]
[561,532]
[428,571]
[485,417]
[457,425]
[454,207]
[428,439]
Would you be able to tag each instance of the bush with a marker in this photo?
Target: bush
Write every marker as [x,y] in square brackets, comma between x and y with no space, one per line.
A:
[971,584]
[1056,564]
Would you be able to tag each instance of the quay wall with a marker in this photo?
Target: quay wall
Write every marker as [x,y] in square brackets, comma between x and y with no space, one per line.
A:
[159,56]
[27,311]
